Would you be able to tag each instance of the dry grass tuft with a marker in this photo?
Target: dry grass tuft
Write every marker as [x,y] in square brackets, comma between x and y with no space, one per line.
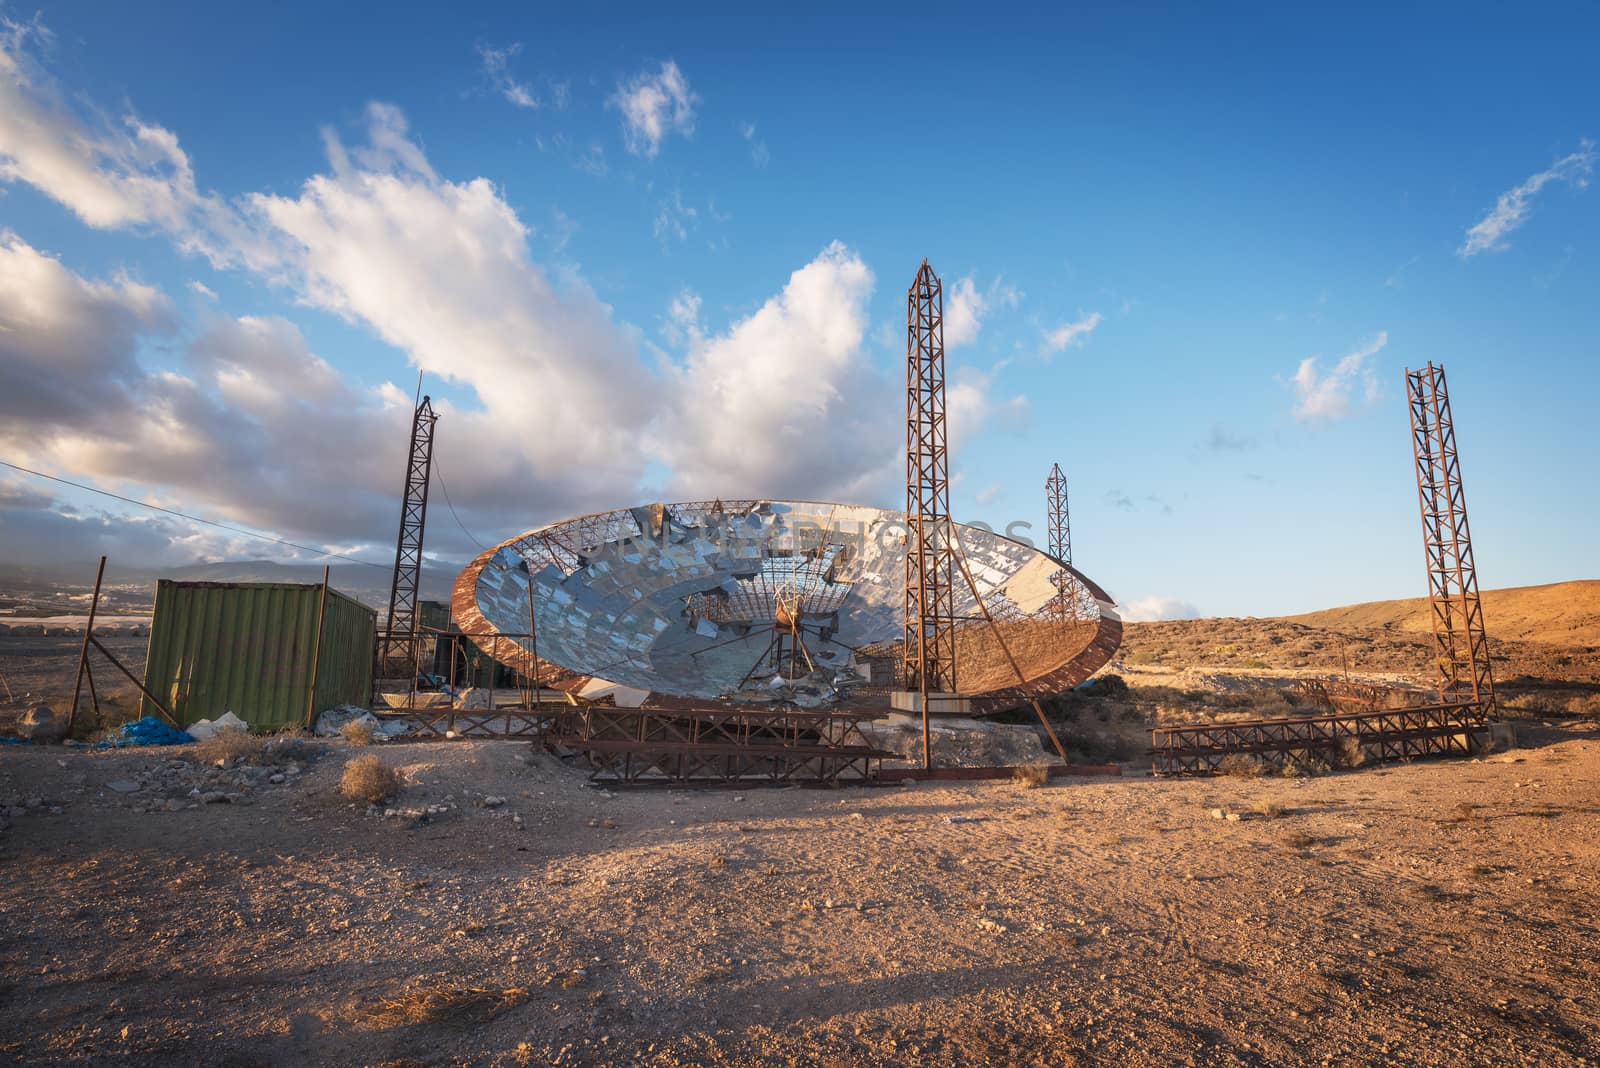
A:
[1464,812]
[1300,840]
[1269,810]
[366,778]
[227,745]
[357,732]
[1031,776]
[442,1004]
[1242,766]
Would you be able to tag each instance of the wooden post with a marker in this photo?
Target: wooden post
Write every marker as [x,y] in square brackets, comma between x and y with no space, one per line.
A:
[83,653]
[316,650]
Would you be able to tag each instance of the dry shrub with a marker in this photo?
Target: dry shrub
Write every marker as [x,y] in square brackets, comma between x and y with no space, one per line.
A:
[442,1004]
[1300,840]
[366,778]
[1242,766]
[1585,705]
[1348,753]
[357,732]
[225,745]
[1270,810]
[1031,776]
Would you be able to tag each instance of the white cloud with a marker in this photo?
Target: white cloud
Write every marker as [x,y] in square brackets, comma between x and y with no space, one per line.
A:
[785,399]
[989,494]
[758,148]
[201,289]
[254,427]
[966,306]
[682,325]
[1326,397]
[1153,608]
[970,405]
[497,65]
[654,105]
[67,345]
[674,218]
[556,403]
[109,174]
[1068,334]
[1511,209]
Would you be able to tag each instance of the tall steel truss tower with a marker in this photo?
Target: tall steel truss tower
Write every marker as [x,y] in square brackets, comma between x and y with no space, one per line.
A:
[1461,648]
[397,655]
[930,649]
[1059,527]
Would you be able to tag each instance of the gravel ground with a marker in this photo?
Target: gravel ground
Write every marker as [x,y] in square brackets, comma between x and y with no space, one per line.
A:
[1431,913]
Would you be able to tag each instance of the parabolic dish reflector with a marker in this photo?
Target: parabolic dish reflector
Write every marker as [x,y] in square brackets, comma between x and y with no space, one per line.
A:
[775,602]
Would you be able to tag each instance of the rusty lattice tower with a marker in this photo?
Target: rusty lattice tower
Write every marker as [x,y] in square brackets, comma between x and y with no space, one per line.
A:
[1058,530]
[1461,648]
[930,648]
[398,648]
[1058,525]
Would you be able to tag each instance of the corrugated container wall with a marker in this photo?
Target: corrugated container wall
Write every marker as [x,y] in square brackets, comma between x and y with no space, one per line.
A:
[249,648]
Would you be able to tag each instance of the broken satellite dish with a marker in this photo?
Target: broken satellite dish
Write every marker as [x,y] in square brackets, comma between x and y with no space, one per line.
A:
[763,602]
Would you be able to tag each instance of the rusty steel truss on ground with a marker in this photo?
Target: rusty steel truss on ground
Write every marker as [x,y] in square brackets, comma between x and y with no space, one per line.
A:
[644,747]
[1387,734]
[1461,647]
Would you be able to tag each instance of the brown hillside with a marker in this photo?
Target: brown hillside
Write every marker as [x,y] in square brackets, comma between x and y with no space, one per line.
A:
[1561,613]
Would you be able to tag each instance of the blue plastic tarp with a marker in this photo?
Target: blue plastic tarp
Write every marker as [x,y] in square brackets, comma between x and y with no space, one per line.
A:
[147,731]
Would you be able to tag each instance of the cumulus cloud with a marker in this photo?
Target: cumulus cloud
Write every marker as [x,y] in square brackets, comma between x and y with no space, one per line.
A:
[966,306]
[1511,209]
[497,66]
[67,345]
[786,397]
[654,105]
[559,409]
[109,173]
[1153,608]
[253,428]
[1068,334]
[1325,397]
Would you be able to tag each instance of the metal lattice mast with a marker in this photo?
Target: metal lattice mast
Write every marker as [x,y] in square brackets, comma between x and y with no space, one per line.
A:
[1060,529]
[930,649]
[1461,648]
[399,643]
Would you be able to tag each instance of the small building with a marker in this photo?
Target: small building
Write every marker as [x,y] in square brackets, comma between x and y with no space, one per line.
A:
[269,652]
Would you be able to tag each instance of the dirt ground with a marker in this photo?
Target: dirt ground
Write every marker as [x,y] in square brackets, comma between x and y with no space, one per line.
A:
[1432,913]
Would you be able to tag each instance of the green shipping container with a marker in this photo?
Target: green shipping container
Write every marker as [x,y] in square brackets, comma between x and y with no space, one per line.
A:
[251,648]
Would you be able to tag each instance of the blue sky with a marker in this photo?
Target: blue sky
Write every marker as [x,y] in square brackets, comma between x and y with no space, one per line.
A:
[644,257]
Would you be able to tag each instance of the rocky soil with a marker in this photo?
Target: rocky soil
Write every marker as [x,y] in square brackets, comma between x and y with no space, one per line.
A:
[160,909]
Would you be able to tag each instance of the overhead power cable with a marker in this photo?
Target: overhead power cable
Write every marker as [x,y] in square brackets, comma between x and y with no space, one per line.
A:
[190,518]
[438,473]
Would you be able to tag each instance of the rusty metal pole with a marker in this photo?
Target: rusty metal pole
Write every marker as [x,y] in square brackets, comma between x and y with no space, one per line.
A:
[533,641]
[316,650]
[83,653]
